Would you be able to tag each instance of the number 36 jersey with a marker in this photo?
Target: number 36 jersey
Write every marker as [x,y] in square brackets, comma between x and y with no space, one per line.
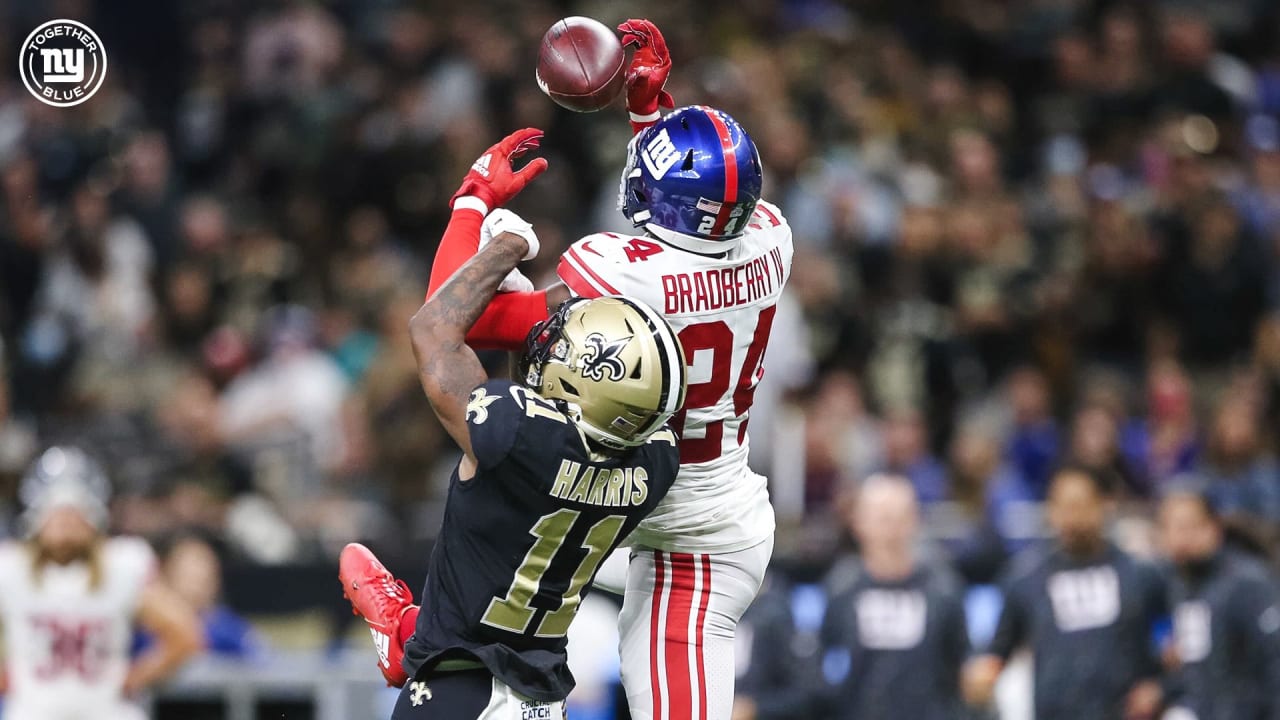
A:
[722,309]
[522,540]
[67,637]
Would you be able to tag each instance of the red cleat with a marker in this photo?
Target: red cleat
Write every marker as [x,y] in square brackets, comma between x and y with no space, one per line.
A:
[378,597]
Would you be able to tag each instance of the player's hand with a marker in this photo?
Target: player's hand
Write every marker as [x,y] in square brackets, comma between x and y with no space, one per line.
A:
[1143,701]
[978,680]
[650,66]
[501,221]
[492,180]
[516,281]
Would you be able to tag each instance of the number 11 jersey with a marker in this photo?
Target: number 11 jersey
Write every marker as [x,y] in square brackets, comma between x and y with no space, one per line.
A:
[722,309]
[522,540]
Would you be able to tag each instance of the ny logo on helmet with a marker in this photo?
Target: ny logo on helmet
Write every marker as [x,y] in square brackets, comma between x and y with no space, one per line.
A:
[660,154]
[601,355]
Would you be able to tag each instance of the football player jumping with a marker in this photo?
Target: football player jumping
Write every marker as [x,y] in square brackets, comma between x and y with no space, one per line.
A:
[556,471]
[713,257]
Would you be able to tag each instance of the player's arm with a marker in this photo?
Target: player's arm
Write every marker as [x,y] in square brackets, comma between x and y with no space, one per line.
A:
[167,617]
[489,185]
[647,74]
[448,369]
[978,678]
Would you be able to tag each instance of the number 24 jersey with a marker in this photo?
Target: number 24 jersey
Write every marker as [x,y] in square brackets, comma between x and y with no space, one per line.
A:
[722,309]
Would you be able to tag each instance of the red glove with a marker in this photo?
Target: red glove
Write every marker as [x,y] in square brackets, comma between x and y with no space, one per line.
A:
[650,66]
[491,179]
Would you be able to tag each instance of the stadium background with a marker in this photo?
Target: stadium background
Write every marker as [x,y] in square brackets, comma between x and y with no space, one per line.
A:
[1026,232]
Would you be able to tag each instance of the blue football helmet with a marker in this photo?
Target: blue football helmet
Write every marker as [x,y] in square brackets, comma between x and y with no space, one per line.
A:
[692,180]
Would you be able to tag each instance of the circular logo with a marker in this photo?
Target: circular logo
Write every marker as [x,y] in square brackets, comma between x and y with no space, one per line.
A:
[62,63]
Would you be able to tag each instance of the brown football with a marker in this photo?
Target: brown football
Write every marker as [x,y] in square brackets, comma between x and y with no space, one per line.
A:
[580,64]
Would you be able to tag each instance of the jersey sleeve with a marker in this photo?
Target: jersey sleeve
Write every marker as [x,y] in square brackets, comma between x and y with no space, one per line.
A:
[768,219]
[595,266]
[493,421]
[132,566]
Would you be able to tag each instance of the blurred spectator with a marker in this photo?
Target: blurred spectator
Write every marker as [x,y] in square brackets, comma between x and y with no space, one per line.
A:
[992,510]
[192,567]
[1241,475]
[895,639]
[1087,611]
[843,440]
[296,389]
[1033,446]
[906,453]
[1226,617]
[1165,442]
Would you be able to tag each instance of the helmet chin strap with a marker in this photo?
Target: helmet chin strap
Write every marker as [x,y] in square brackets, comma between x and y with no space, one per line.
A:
[693,244]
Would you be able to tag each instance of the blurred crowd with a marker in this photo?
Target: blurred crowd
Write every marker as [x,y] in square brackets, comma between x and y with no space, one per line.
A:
[1027,233]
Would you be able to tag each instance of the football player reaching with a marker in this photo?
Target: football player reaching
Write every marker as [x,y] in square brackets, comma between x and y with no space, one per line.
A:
[72,597]
[713,258]
[556,471]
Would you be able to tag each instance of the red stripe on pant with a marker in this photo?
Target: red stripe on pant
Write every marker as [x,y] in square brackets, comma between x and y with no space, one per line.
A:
[683,679]
[655,628]
[703,602]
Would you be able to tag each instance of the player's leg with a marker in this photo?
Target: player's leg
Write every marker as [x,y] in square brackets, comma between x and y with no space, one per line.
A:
[446,696]
[469,695]
[735,581]
[679,617]
[384,602]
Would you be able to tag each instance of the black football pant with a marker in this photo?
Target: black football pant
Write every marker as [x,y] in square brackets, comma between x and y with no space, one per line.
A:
[468,695]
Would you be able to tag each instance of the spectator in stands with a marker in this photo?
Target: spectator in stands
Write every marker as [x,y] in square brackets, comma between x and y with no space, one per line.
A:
[1241,475]
[906,453]
[995,512]
[1164,443]
[1033,446]
[1095,438]
[894,636]
[843,441]
[1226,616]
[193,569]
[1087,611]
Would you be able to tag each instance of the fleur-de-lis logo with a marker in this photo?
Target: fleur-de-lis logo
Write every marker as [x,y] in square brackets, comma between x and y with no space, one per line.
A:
[419,693]
[601,356]
[478,407]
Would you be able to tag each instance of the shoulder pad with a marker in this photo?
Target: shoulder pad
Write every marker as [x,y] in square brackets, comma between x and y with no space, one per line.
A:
[597,265]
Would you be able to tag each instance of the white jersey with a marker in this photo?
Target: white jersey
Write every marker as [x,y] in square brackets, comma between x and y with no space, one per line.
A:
[67,644]
[722,309]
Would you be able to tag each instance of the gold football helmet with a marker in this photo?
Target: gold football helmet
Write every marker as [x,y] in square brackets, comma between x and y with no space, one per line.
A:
[612,363]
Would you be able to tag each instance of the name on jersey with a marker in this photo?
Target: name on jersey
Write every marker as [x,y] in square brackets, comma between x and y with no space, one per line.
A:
[723,288]
[606,487]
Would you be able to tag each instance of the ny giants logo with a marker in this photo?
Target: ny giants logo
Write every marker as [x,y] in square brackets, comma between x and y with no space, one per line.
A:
[62,63]
[660,154]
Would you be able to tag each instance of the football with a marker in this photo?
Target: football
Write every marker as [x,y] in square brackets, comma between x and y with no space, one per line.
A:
[580,64]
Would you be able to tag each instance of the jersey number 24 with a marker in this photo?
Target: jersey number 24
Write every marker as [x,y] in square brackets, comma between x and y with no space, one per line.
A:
[717,337]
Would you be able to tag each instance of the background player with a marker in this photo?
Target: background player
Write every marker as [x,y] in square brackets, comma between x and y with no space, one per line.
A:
[714,258]
[71,599]
[555,473]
